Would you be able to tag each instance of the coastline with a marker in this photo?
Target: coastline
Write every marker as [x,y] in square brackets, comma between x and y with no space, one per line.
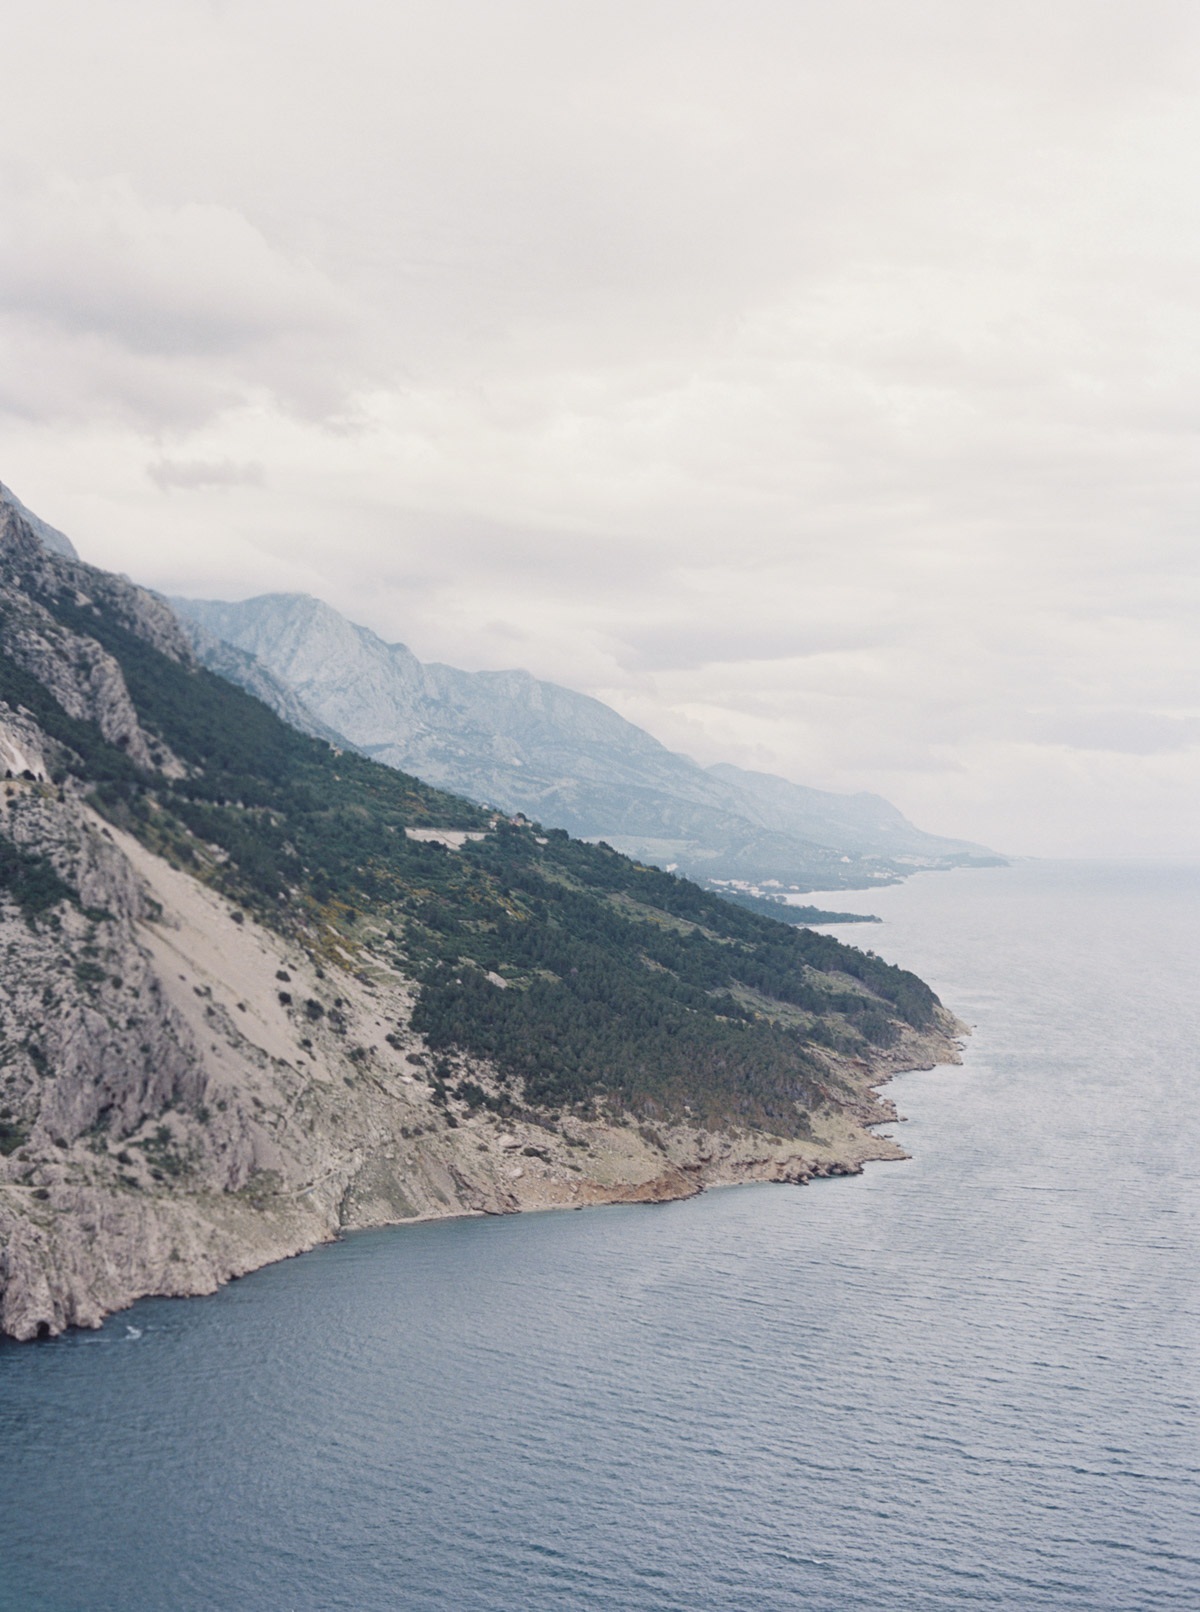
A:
[100,1252]
[258,1131]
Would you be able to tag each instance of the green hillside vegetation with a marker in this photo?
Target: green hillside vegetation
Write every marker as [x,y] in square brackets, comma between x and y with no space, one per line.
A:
[776,907]
[622,984]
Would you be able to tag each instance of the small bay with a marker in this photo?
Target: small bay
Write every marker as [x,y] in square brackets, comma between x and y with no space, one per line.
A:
[968,1380]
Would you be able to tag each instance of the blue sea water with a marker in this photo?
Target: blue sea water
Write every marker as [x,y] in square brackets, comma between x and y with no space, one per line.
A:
[970,1380]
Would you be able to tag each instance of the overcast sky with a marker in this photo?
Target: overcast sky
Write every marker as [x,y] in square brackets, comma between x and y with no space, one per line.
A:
[817,383]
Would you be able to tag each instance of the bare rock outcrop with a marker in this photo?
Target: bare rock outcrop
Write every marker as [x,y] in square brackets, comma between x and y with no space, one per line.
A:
[78,672]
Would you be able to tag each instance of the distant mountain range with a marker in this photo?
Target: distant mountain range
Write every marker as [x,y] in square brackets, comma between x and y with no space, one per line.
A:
[511,741]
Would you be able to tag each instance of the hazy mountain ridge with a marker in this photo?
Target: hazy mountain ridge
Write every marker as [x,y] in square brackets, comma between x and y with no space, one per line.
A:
[568,760]
[237,666]
[243,1007]
[862,823]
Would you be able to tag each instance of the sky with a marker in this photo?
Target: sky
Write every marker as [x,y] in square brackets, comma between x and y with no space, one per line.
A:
[816,382]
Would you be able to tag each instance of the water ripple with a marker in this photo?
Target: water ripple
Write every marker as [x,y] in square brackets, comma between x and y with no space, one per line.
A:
[969,1382]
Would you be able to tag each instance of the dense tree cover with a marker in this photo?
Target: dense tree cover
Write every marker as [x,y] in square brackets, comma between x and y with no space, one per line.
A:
[774,907]
[574,969]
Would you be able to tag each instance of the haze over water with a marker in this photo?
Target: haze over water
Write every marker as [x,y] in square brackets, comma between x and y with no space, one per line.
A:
[970,1380]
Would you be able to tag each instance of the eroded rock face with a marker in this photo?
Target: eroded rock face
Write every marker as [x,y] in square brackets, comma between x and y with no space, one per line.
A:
[85,680]
[21,754]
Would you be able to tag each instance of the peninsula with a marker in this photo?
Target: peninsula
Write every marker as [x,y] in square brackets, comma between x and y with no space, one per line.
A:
[258,989]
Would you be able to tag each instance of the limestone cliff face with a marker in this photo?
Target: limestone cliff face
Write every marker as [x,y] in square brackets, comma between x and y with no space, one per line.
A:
[84,679]
[173,1113]
[21,747]
[186,1094]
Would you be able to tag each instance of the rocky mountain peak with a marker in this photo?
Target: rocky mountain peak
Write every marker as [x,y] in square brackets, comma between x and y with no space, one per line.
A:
[57,542]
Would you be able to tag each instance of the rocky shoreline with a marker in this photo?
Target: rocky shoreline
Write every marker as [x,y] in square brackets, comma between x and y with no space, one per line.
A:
[284,1100]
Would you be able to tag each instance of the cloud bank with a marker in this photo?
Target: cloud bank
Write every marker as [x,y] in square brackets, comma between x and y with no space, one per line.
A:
[818,386]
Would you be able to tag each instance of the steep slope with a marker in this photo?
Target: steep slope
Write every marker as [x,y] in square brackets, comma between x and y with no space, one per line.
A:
[237,666]
[57,542]
[525,745]
[257,989]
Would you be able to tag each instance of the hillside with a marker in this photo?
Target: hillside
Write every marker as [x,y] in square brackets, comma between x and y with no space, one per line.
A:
[258,988]
[521,744]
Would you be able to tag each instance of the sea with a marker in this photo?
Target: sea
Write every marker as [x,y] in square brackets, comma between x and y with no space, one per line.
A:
[968,1380]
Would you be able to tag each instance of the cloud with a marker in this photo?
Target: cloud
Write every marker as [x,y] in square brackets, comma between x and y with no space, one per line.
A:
[97,259]
[1121,733]
[687,646]
[194,473]
[820,389]
[164,312]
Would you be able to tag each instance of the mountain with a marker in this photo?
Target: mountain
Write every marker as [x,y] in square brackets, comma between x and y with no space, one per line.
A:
[237,666]
[562,758]
[259,988]
[862,824]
